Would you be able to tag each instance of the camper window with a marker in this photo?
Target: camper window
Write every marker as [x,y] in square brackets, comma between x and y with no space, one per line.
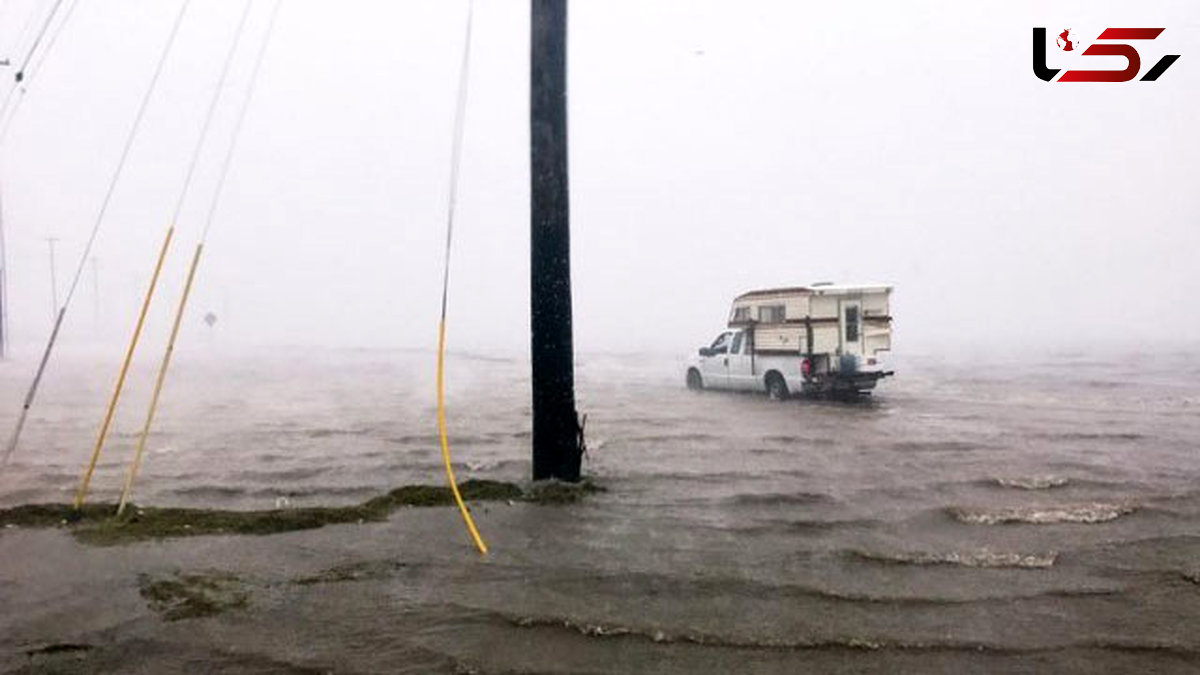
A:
[771,314]
[737,343]
[741,313]
[852,323]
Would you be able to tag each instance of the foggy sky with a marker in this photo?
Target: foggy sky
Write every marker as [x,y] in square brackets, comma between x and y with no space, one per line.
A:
[715,147]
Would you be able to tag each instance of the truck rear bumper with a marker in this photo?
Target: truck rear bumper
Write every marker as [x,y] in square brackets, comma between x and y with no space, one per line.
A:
[860,382]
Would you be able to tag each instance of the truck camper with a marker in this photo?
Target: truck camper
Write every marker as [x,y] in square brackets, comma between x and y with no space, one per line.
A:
[823,339]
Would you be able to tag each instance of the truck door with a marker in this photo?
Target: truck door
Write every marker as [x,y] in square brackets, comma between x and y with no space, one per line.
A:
[851,325]
[739,362]
[714,368]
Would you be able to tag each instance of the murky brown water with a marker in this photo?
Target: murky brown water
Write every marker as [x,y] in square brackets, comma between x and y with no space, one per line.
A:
[1037,515]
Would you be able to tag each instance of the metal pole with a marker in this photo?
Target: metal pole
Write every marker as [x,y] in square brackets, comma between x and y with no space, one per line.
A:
[556,429]
[808,346]
[53,280]
[751,346]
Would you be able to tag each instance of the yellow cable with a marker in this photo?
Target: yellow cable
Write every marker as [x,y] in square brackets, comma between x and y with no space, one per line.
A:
[441,418]
[455,156]
[81,493]
[158,383]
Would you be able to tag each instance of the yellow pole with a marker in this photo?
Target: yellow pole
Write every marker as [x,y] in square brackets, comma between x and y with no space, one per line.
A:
[158,383]
[441,418]
[81,493]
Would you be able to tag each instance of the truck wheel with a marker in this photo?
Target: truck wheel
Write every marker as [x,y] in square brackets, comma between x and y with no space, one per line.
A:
[693,380]
[776,387]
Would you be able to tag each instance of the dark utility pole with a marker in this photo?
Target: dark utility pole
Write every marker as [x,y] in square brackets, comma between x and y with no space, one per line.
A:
[556,429]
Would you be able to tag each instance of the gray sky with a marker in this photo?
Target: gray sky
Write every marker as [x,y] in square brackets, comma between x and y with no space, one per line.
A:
[715,147]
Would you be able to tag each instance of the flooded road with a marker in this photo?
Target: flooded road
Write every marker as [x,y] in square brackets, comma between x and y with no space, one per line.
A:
[998,515]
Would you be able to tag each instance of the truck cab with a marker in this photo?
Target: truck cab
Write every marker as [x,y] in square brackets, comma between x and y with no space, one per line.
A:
[725,364]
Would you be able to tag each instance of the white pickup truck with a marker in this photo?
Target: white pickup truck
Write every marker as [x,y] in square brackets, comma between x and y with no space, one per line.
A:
[820,339]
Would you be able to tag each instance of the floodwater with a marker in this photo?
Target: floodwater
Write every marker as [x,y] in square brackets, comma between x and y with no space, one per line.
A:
[992,515]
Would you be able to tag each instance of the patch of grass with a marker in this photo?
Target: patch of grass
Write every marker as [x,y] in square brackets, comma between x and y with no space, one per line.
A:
[53,515]
[188,596]
[430,495]
[96,524]
[158,523]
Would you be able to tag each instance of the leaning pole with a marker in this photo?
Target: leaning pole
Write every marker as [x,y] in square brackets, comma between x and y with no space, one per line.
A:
[556,428]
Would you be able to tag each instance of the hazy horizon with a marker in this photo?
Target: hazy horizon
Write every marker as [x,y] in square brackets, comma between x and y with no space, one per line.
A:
[713,150]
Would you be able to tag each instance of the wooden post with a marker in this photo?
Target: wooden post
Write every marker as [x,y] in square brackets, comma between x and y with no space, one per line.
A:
[81,493]
[556,429]
[158,382]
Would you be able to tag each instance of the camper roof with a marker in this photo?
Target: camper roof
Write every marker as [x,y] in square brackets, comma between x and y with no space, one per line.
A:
[822,288]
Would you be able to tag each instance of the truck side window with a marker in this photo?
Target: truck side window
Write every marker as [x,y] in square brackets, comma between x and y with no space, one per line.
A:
[737,343]
[721,344]
[852,323]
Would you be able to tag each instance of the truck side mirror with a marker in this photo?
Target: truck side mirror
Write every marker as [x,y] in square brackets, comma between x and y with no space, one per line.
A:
[705,351]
